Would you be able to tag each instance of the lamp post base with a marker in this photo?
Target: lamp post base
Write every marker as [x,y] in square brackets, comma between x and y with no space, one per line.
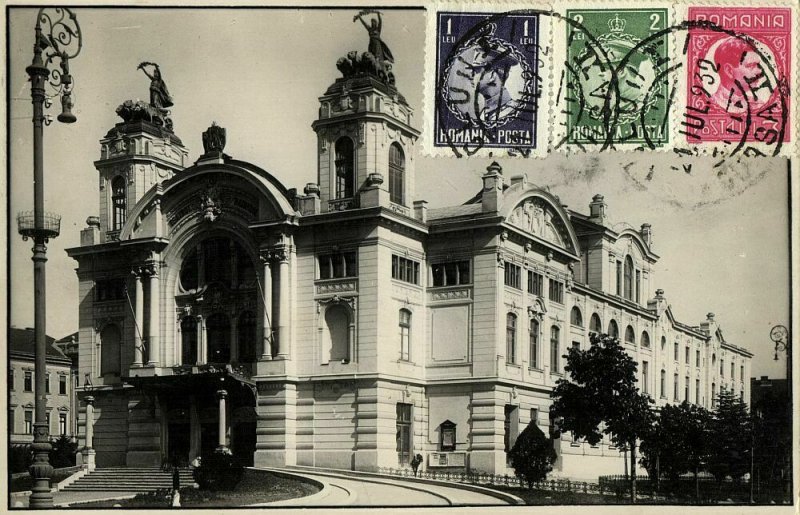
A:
[87,457]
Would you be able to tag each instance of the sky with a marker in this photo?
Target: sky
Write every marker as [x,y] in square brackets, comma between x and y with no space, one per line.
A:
[721,233]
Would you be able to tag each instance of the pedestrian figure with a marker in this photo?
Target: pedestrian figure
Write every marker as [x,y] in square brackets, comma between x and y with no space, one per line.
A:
[176,486]
[415,463]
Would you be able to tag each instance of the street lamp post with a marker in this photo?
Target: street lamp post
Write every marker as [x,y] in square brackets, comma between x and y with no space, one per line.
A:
[780,335]
[58,36]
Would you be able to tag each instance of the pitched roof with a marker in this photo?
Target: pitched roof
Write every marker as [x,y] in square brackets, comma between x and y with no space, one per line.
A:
[21,344]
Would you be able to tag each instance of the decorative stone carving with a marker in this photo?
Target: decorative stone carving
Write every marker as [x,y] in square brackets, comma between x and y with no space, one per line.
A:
[214,139]
[537,217]
[210,203]
[337,299]
[337,287]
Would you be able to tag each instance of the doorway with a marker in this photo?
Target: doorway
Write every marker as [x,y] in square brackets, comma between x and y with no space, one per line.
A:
[178,443]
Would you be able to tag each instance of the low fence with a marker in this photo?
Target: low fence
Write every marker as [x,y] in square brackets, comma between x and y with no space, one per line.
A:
[709,489]
[481,478]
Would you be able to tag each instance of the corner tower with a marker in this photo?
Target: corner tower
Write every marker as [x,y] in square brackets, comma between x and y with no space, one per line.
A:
[137,153]
[364,133]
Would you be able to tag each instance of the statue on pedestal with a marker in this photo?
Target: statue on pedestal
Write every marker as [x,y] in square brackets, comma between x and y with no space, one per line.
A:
[159,94]
[377,47]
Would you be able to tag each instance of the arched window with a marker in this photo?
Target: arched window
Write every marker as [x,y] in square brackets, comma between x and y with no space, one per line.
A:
[246,337]
[221,260]
[118,201]
[511,338]
[110,346]
[713,395]
[533,340]
[613,329]
[575,317]
[188,341]
[345,168]
[218,332]
[663,342]
[595,325]
[405,334]
[337,322]
[663,383]
[630,336]
[645,339]
[397,171]
[628,278]
[555,337]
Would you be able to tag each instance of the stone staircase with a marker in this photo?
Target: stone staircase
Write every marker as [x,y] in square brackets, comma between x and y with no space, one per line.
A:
[127,479]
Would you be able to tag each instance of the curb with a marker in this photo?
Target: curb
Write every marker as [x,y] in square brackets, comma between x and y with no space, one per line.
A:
[509,498]
[82,501]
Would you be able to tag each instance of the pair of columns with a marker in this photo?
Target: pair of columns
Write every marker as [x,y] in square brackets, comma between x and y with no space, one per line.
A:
[149,272]
[275,316]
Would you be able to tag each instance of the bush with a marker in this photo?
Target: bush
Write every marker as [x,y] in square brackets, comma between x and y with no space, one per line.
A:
[532,455]
[20,458]
[62,454]
[220,470]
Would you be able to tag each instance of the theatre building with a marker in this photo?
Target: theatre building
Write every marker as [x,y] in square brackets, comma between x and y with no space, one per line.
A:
[349,325]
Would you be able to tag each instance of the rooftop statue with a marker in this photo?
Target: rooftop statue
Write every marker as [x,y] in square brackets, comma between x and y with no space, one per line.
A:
[159,94]
[377,60]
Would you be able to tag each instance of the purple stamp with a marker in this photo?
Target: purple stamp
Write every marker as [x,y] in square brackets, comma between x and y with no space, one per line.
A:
[488,83]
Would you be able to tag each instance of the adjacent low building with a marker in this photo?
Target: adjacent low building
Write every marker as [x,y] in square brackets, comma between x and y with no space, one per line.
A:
[61,413]
[349,325]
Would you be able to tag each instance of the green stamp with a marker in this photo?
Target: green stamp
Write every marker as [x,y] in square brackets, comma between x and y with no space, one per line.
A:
[617,77]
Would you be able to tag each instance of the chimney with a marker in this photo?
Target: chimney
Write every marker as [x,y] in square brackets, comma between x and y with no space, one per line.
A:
[708,326]
[659,303]
[597,210]
[492,197]
[309,203]
[647,234]
[421,210]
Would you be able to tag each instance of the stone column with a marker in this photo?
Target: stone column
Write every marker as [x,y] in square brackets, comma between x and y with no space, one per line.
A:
[221,394]
[88,450]
[153,336]
[284,308]
[266,290]
[138,345]
[201,340]
[194,428]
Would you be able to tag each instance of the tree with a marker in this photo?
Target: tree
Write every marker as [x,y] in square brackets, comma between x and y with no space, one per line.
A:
[678,442]
[62,453]
[532,455]
[602,390]
[731,427]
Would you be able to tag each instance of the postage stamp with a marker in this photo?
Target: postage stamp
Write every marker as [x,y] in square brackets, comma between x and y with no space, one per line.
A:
[490,80]
[615,84]
[738,77]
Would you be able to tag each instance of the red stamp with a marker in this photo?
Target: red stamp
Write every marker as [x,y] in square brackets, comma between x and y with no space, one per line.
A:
[738,76]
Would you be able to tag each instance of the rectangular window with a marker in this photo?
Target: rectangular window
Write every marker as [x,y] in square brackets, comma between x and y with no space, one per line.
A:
[741,373]
[47,420]
[535,283]
[619,277]
[686,355]
[733,371]
[405,334]
[404,269]
[62,423]
[675,387]
[510,427]
[338,265]
[403,433]
[645,376]
[12,428]
[721,368]
[534,417]
[697,391]
[512,275]
[686,389]
[451,274]
[47,382]
[533,341]
[697,358]
[106,290]
[62,385]
[675,351]
[28,422]
[511,338]
[663,384]
[554,350]
[556,291]
[638,286]
[28,386]
[11,379]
